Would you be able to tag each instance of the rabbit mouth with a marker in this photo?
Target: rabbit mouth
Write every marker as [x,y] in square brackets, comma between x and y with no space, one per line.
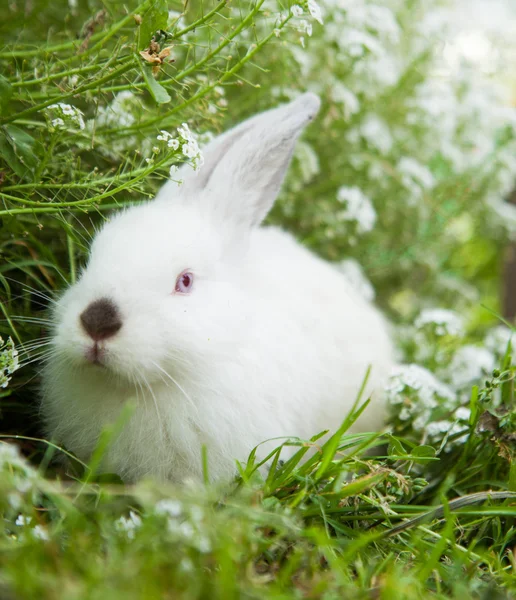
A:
[96,354]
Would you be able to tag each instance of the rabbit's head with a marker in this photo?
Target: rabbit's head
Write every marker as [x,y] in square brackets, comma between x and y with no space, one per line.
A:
[162,291]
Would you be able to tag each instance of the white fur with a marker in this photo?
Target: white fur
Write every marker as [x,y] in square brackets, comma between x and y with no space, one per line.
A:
[271,341]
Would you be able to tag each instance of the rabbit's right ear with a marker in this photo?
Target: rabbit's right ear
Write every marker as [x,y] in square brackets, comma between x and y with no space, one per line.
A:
[244,168]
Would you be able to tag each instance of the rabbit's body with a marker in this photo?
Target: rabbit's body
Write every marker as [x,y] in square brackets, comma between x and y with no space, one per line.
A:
[270,341]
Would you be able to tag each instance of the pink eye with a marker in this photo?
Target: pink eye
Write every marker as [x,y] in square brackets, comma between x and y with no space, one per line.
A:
[184,282]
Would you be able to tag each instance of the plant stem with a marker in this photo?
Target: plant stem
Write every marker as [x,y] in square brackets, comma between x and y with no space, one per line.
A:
[198,65]
[80,90]
[44,206]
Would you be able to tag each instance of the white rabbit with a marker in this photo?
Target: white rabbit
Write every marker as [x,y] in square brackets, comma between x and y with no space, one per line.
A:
[221,332]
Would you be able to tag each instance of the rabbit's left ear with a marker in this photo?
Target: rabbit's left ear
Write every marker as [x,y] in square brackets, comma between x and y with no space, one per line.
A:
[245,167]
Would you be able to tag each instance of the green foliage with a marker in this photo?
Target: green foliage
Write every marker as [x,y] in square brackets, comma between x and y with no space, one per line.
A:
[350,521]
[406,171]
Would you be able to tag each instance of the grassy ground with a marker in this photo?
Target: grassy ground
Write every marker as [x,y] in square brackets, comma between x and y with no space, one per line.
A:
[367,516]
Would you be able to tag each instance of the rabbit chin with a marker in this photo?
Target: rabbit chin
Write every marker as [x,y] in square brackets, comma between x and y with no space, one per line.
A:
[106,361]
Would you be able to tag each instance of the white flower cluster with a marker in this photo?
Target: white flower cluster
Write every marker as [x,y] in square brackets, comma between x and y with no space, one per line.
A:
[360,27]
[315,11]
[189,530]
[441,322]
[188,144]
[375,132]
[415,176]
[38,532]
[123,111]
[67,115]
[167,137]
[16,472]
[120,112]
[470,365]
[414,393]
[497,340]
[304,26]
[9,361]
[454,114]
[436,430]
[359,208]
[128,525]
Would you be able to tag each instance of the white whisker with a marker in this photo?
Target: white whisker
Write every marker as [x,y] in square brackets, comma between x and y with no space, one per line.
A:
[179,387]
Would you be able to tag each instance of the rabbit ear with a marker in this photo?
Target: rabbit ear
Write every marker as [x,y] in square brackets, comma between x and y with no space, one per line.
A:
[244,168]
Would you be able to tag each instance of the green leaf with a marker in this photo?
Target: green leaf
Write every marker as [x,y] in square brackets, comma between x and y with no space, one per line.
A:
[6,91]
[158,92]
[395,447]
[360,485]
[422,453]
[152,20]
[512,475]
[19,150]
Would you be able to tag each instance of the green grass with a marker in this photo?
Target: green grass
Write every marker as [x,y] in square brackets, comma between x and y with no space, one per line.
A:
[358,516]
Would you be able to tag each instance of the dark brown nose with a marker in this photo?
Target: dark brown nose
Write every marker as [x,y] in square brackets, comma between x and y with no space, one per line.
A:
[101,320]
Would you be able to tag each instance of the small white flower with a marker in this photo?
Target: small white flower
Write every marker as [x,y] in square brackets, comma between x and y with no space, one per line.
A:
[463,413]
[315,10]
[173,143]
[346,97]
[296,10]
[417,172]
[435,428]
[415,177]
[377,134]
[204,545]
[186,565]
[186,530]
[164,136]
[184,131]
[430,391]
[58,123]
[40,533]
[128,525]
[15,500]
[172,508]
[359,208]
[70,113]
[23,485]
[190,147]
[120,112]
[9,453]
[469,365]
[404,414]
[21,520]
[9,361]
[196,513]
[498,339]
[444,322]
[305,27]
[276,32]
